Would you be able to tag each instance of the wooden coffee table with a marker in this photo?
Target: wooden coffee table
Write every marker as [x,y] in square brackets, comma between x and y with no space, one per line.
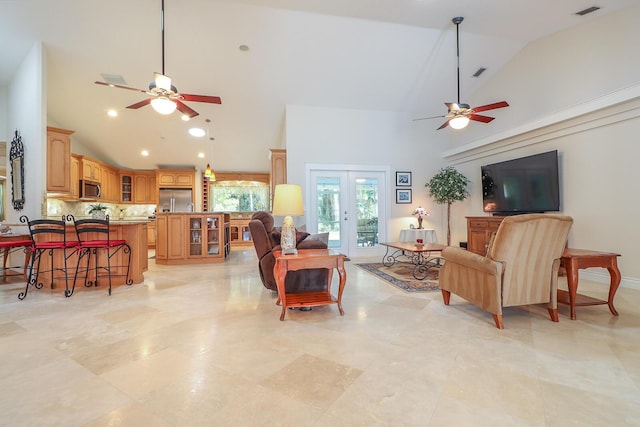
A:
[303,260]
[422,257]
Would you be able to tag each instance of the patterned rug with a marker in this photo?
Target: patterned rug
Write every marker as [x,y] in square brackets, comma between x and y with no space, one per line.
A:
[400,275]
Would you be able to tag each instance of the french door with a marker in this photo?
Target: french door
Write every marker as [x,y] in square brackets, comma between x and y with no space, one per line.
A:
[351,207]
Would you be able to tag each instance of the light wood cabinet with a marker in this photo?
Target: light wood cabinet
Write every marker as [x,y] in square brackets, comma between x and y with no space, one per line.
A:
[58,160]
[479,231]
[144,188]
[174,178]
[278,169]
[239,233]
[126,188]
[75,177]
[151,234]
[90,169]
[192,238]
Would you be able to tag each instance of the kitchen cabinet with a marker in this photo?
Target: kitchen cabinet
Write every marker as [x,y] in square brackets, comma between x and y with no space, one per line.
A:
[175,178]
[278,169]
[195,238]
[239,233]
[75,177]
[144,188]
[109,184]
[90,169]
[151,234]
[58,160]
[126,188]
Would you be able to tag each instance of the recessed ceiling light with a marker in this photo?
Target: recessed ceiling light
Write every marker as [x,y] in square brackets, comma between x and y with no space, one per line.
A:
[144,153]
[112,113]
[201,155]
[197,132]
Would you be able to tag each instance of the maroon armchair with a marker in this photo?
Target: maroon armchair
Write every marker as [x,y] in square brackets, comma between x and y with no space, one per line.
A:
[266,240]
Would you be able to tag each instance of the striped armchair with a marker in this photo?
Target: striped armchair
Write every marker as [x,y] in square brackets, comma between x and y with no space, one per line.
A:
[520,268]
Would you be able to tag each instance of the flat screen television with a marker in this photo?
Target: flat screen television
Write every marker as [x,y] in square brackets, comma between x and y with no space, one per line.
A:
[525,185]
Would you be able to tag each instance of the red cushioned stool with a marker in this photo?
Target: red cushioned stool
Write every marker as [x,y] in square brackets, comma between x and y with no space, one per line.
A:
[9,246]
[94,236]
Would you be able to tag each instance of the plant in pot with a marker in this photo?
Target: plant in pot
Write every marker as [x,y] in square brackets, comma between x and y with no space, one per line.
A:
[446,187]
[98,211]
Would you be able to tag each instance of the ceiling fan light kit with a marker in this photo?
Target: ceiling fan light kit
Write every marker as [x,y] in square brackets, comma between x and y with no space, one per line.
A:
[459,114]
[165,98]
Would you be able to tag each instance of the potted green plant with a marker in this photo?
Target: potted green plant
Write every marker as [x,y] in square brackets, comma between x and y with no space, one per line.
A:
[448,186]
[98,211]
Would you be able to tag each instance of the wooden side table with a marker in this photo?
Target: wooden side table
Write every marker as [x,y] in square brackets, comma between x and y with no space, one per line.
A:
[575,259]
[309,259]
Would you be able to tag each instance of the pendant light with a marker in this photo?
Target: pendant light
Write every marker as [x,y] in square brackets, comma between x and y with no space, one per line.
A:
[208,172]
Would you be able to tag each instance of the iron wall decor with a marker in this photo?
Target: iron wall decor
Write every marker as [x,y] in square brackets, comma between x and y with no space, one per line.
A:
[403,179]
[16,157]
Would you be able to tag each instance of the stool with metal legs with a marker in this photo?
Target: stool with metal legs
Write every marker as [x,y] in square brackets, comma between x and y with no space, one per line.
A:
[47,237]
[94,236]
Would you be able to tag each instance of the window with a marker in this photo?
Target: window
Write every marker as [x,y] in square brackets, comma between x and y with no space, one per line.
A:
[238,196]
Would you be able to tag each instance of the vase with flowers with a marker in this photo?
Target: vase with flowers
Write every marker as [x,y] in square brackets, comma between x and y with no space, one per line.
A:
[420,212]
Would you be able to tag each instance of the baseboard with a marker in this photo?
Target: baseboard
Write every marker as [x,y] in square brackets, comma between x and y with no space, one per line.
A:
[604,278]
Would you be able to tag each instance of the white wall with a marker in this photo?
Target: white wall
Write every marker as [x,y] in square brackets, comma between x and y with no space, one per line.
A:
[377,138]
[592,67]
[26,102]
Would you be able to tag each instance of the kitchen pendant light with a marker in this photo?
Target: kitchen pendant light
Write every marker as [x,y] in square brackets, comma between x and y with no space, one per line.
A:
[208,172]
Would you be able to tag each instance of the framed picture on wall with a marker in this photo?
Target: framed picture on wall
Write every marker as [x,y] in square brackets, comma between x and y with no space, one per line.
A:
[403,179]
[403,195]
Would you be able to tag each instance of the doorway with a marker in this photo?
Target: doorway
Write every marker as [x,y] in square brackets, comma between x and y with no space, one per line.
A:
[351,205]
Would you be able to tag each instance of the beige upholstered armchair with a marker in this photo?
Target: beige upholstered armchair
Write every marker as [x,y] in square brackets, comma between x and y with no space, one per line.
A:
[520,268]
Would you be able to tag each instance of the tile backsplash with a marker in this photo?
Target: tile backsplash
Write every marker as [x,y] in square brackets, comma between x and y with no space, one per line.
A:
[57,207]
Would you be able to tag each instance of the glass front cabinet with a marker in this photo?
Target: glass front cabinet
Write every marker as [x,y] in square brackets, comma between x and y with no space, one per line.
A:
[208,235]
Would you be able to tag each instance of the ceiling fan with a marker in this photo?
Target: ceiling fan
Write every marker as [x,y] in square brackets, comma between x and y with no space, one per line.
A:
[459,114]
[165,98]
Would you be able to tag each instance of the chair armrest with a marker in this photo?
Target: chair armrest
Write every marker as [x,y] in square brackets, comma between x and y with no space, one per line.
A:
[472,260]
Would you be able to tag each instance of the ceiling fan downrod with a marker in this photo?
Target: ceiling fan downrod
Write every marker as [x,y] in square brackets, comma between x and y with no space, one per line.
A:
[457,20]
[162,31]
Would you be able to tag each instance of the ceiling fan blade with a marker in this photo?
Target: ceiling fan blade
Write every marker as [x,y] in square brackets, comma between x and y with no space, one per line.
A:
[140,104]
[479,118]
[120,87]
[201,98]
[185,109]
[444,125]
[427,118]
[493,106]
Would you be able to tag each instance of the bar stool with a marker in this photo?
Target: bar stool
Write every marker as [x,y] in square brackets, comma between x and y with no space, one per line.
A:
[9,246]
[47,237]
[94,236]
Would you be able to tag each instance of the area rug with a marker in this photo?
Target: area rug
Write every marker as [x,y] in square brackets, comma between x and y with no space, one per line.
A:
[400,275]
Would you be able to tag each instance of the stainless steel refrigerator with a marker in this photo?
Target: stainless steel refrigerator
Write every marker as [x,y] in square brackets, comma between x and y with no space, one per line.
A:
[176,200]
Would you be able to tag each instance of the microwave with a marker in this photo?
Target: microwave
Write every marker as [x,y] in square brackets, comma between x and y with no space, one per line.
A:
[89,189]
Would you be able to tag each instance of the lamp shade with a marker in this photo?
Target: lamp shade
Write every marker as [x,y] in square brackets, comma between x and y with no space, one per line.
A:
[287,200]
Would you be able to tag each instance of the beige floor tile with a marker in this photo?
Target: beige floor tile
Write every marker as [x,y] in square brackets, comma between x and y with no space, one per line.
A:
[203,345]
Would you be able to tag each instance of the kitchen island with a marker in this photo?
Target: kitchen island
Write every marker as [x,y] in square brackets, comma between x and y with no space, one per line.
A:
[133,231]
[192,238]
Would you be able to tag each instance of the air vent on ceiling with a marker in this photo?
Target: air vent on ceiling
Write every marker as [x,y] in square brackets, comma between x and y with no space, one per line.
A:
[479,72]
[588,10]
[114,79]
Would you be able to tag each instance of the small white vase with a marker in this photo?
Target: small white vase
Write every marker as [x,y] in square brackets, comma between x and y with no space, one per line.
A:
[99,215]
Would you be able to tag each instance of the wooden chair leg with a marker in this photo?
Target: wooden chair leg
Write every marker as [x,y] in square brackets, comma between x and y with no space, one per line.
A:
[499,322]
[553,313]
[446,296]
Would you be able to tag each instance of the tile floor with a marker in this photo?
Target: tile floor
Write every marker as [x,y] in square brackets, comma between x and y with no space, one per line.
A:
[203,346]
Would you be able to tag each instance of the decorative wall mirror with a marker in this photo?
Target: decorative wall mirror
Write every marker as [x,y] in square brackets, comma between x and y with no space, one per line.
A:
[16,157]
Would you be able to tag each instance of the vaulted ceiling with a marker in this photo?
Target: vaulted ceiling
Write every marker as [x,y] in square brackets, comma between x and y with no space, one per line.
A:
[259,56]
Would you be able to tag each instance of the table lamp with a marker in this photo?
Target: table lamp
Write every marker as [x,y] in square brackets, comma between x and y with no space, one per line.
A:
[287,201]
